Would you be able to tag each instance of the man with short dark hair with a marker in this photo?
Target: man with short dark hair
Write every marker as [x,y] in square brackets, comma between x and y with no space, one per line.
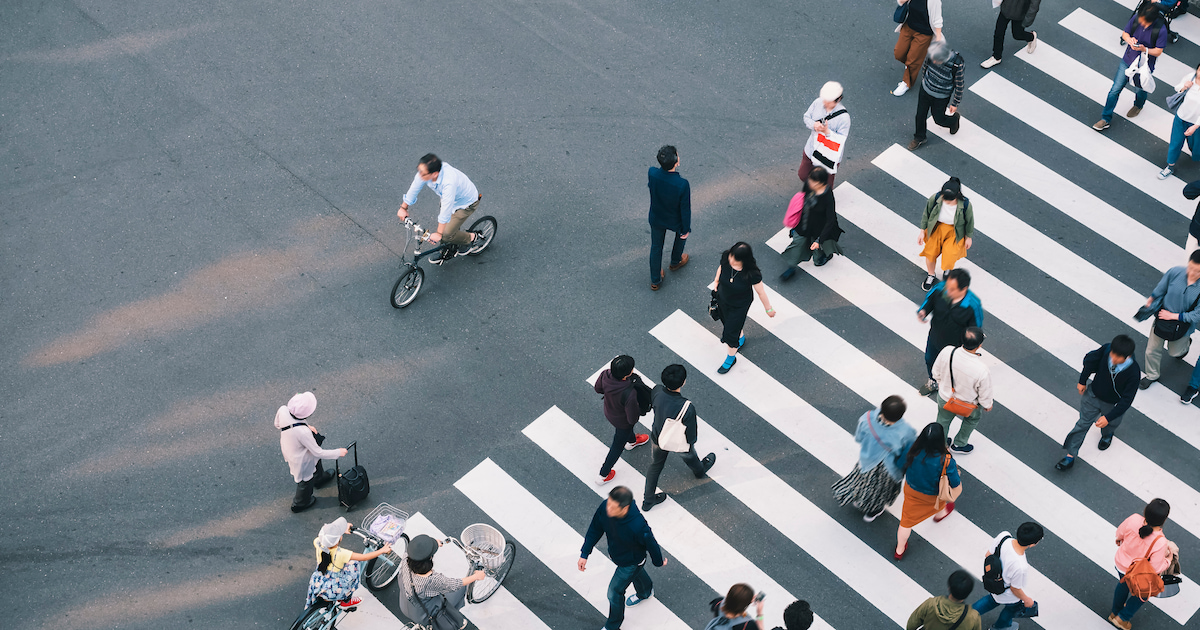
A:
[1175,299]
[797,616]
[1105,400]
[460,199]
[1145,33]
[951,308]
[621,409]
[1015,571]
[961,373]
[629,540]
[668,404]
[944,612]
[670,209]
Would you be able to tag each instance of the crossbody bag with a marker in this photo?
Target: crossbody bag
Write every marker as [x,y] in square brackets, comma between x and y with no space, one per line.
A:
[1175,329]
[956,405]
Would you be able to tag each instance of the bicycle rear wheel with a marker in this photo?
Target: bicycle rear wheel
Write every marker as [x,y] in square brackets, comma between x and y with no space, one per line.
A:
[493,578]
[314,618]
[407,285]
[381,570]
[485,227]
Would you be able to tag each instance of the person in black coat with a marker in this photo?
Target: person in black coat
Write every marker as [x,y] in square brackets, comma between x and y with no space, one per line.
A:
[1104,401]
[670,210]
[1192,191]
[668,402]
[817,234]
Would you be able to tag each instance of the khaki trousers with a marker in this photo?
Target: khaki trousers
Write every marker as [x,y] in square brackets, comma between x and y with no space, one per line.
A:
[454,233]
[1154,348]
[911,47]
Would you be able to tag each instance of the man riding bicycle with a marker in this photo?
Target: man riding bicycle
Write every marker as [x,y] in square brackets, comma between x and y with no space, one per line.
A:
[460,199]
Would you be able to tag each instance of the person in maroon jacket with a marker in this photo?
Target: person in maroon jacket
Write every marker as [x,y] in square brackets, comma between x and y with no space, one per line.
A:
[621,409]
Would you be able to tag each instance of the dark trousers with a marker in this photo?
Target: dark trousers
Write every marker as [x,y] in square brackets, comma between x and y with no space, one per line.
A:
[1124,606]
[927,105]
[658,236]
[304,489]
[932,350]
[1018,32]
[806,167]
[1090,410]
[621,579]
[660,458]
[621,437]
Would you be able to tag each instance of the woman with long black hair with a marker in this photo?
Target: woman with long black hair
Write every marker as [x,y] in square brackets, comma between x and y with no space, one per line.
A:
[738,279]
[927,461]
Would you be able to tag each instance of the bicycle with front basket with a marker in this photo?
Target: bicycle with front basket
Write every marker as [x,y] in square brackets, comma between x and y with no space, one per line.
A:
[412,276]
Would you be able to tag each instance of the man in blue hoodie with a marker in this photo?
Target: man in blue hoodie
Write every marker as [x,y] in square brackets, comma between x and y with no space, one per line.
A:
[629,539]
[951,309]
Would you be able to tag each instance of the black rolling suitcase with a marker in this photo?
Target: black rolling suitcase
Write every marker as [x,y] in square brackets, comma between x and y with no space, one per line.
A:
[353,485]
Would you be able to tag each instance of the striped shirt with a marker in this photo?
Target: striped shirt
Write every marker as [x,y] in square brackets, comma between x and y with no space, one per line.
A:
[946,79]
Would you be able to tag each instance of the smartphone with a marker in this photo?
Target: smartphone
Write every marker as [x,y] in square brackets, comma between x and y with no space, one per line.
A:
[761,596]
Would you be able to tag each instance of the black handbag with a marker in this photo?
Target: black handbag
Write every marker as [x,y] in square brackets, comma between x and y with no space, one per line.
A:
[901,14]
[1173,330]
[443,616]
[714,307]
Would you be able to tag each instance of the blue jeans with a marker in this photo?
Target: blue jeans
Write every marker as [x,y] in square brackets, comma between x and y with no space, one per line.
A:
[1124,606]
[1176,147]
[1195,381]
[988,602]
[657,236]
[621,579]
[1119,82]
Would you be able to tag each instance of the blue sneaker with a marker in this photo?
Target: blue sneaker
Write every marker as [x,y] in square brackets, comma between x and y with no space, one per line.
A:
[729,361]
[634,600]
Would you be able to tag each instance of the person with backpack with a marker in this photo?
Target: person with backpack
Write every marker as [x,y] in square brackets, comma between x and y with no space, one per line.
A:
[947,230]
[674,427]
[825,115]
[738,279]
[629,540]
[797,616]
[623,406]
[1105,399]
[941,91]
[1145,33]
[1143,555]
[729,612]
[927,462]
[817,231]
[948,612]
[876,479]
[301,446]
[1005,574]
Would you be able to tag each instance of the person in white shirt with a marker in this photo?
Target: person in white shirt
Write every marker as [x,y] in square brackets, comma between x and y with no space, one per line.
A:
[827,114]
[301,447]
[1187,122]
[971,382]
[460,199]
[1015,569]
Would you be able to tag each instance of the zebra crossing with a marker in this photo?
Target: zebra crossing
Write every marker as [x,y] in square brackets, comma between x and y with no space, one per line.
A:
[752,487]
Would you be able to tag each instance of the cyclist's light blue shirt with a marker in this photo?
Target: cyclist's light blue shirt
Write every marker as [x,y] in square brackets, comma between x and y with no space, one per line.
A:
[455,189]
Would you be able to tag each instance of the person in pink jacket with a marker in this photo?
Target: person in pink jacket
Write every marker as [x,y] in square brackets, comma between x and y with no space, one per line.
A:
[1140,536]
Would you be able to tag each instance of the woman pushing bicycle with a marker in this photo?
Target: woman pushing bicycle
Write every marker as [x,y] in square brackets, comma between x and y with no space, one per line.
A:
[428,595]
[338,570]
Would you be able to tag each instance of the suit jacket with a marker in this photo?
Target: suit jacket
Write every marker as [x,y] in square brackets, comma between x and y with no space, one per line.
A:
[670,201]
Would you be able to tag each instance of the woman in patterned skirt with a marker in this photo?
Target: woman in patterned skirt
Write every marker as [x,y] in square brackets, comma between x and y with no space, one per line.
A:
[876,480]
[338,572]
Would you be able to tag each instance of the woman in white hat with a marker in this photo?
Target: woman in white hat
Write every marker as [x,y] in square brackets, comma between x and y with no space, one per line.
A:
[428,595]
[301,446]
[826,116]
[338,570]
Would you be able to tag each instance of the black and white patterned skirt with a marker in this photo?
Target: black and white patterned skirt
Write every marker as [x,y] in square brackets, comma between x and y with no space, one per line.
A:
[870,492]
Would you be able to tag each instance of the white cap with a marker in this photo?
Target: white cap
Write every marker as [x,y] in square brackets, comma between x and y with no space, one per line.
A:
[331,534]
[831,91]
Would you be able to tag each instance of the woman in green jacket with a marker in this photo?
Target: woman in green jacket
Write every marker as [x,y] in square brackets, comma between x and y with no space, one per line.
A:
[947,227]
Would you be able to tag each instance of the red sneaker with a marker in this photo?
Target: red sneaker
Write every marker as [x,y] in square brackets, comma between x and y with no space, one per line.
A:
[601,479]
[638,440]
[353,601]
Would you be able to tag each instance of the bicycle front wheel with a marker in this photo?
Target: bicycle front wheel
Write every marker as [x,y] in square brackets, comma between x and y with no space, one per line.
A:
[485,227]
[406,287]
[379,571]
[492,578]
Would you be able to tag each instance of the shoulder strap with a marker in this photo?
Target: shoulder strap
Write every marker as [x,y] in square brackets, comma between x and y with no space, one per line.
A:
[945,465]
[952,388]
[871,426]
[1001,543]
[683,410]
[298,424]
[1150,552]
[961,617]
[1195,302]
[835,114]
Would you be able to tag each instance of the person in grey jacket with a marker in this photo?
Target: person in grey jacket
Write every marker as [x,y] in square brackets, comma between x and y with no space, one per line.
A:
[667,404]
[1021,13]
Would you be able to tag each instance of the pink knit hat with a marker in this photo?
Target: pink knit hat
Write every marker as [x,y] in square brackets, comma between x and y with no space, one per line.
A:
[302,405]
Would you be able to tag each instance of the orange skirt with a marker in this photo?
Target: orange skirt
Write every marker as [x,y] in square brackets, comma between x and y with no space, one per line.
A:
[917,507]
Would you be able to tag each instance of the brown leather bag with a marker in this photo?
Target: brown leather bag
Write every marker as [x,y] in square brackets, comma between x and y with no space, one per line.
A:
[1141,578]
[947,494]
[956,405]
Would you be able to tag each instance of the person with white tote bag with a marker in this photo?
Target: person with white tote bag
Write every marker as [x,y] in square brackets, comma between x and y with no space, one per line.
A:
[673,431]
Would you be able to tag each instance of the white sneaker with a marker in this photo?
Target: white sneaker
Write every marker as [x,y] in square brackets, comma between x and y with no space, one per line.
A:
[1032,45]
[989,62]
[1166,172]
[901,89]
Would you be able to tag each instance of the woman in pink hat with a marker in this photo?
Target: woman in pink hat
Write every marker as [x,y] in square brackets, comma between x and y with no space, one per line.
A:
[301,446]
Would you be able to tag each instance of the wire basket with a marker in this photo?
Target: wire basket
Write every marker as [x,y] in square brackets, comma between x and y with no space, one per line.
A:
[487,541]
[386,522]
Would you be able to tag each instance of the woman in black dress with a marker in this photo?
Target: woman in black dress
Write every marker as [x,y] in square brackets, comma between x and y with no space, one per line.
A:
[738,279]
[817,235]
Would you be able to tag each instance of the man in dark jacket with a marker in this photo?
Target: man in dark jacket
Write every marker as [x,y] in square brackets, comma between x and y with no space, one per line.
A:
[629,540]
[622,411]
[1105,401]
[951,308]
[670,209]
[1021,13]
[668,402]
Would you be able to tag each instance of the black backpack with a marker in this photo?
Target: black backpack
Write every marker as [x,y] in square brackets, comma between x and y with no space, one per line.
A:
[642,390]
[353,485]
[993,571]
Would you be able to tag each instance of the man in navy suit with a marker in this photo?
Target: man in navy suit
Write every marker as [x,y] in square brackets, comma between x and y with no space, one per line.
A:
[670,209]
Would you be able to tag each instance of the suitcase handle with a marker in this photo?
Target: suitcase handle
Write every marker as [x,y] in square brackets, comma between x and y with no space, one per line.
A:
[353,445]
